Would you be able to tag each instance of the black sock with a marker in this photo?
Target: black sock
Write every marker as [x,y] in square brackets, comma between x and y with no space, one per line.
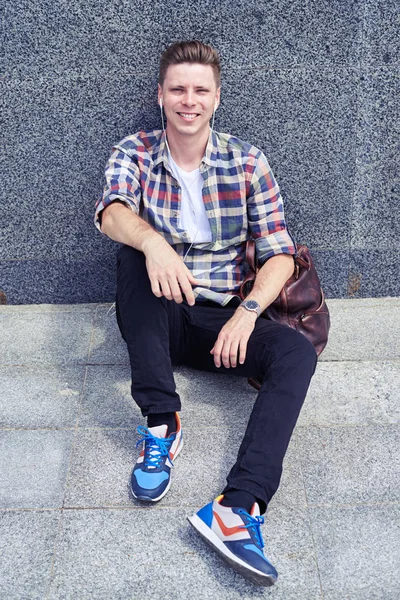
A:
[167,418]
[242,499]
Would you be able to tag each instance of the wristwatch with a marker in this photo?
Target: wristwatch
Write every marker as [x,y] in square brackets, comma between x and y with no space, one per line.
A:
[252,306]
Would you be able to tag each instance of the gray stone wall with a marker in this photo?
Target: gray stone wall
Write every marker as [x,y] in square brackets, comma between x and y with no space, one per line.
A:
[315,84]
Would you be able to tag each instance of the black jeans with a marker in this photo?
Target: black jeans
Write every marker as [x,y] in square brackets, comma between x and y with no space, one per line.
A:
[160,332]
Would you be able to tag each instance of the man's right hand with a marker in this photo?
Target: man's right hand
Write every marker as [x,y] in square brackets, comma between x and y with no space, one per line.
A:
[168,274]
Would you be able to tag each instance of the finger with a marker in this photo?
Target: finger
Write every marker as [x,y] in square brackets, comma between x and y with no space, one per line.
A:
[155,287]
[228,351]
[216,351]
[191,277]
[233,353]
[192,280]
[243,351]
[187,290]
[166,290]
[175,291]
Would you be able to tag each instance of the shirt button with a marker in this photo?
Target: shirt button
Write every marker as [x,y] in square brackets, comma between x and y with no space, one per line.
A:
[175,215]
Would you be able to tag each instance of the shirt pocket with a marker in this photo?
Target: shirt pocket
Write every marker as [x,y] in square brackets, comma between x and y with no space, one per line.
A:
[231,215]
[160,206]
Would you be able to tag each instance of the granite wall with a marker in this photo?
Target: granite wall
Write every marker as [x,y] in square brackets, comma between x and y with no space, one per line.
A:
[314,83]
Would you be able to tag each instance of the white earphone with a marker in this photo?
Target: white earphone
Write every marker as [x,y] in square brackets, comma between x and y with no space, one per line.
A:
[162,114]
[213,116]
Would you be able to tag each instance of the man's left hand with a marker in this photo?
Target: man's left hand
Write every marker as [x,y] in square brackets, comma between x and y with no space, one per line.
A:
[232,339]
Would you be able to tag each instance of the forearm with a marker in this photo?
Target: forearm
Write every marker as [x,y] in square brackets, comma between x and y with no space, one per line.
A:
[271,278]
[122,225]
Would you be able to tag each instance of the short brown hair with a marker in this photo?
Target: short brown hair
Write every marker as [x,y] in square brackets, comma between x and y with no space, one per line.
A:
[191,52]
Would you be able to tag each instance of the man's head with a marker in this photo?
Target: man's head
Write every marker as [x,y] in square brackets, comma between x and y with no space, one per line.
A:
[190,52]
[189,90]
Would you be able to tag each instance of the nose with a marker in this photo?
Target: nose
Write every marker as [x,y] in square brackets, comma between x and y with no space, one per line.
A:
[189,99]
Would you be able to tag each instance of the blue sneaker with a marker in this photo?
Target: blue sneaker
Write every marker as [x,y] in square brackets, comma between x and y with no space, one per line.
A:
[235,535]
[151,477]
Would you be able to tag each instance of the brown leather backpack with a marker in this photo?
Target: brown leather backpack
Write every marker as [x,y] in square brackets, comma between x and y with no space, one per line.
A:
[301,302]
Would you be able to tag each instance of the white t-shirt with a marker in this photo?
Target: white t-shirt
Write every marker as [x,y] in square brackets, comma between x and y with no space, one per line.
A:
[193,216]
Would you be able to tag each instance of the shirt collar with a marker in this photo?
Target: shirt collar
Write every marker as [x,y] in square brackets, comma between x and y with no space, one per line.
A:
[160,154]
[211,153]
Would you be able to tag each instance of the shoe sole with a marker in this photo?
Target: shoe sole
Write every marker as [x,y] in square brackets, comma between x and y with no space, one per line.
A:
[236,563]
[147,498]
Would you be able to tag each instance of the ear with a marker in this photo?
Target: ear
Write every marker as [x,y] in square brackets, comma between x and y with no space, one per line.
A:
[217,98]
[159,94]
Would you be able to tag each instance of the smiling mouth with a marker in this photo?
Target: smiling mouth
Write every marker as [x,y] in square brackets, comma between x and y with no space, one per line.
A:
[189,116]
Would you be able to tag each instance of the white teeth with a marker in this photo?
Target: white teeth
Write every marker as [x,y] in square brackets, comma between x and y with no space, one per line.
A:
[188,116]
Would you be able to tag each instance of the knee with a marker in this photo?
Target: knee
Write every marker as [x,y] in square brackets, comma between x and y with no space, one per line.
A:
[131,270]
[130,259]
[294,343]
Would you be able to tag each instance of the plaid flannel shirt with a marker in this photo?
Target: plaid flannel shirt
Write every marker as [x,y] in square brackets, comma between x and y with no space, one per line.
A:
[240,194]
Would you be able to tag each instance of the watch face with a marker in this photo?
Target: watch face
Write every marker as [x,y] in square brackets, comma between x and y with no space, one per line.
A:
[252,304]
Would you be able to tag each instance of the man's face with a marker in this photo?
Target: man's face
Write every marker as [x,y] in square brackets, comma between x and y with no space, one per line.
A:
[189,94]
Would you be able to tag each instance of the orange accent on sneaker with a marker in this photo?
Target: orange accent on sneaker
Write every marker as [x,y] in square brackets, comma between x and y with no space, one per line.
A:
[227,531]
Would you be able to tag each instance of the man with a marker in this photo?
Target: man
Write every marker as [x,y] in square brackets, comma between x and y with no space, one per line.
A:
[183,201]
